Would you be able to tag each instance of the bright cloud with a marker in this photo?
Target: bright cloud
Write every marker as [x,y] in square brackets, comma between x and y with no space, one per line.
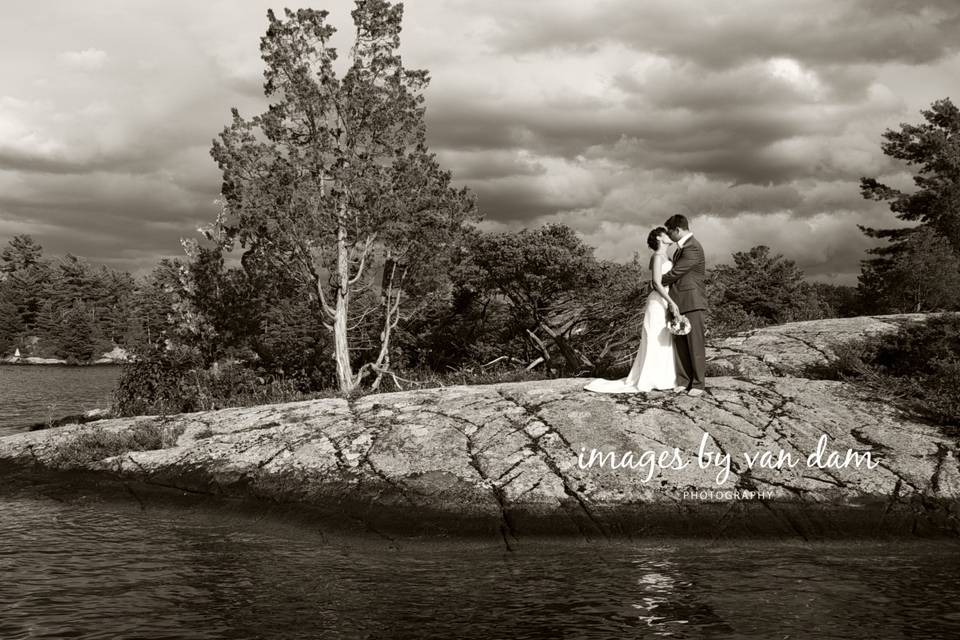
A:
[87,60]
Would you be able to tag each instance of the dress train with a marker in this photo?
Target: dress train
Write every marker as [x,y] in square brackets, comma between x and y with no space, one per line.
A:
[653,367]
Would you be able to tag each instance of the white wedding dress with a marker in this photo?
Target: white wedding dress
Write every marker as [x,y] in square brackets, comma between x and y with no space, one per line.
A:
[653,368]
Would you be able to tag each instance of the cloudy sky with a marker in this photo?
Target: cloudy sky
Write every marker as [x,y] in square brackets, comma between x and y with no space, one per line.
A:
[756,118]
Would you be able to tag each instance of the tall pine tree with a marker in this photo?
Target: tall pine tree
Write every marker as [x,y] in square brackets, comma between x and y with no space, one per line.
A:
[932,152]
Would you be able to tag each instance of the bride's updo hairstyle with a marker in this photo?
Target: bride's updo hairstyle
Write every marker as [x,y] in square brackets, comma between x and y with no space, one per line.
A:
[653,240]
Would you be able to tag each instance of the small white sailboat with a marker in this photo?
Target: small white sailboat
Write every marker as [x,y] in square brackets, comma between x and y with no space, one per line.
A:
[16,354]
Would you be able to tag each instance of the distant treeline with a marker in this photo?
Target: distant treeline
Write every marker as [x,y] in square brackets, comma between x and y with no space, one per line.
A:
[62,308]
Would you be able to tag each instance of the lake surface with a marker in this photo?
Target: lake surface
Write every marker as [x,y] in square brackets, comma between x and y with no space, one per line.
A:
[40,393]
[84,567]
[75,564]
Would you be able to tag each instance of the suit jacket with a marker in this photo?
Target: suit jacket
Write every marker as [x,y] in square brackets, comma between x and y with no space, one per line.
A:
[687,278]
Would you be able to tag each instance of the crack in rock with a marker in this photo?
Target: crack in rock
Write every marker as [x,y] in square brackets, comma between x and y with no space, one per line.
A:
[548,460]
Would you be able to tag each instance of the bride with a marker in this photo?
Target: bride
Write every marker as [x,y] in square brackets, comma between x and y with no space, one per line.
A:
[653,368]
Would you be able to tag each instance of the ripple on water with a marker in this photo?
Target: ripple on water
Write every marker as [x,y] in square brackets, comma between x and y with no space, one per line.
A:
[31,394]
[82,568]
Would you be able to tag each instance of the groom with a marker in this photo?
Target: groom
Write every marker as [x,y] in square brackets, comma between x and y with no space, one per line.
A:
[687,282]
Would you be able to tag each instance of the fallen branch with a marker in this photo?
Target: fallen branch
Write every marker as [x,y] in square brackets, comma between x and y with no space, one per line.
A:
[534,363]
[500,359]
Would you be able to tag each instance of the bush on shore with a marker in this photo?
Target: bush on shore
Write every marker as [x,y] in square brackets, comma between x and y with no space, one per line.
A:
[176,383]
[918,366]
[99,444]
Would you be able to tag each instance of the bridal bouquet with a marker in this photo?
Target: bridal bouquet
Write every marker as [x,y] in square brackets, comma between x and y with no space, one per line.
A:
[678,325]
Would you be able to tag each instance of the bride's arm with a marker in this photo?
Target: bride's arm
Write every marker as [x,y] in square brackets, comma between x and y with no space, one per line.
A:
[657,283]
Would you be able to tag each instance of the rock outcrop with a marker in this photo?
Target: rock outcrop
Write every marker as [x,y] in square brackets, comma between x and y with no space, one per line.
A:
[788,349]
[31,360]
[117,355]
[511,459]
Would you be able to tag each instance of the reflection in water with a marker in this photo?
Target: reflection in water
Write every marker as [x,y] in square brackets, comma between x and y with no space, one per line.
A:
[83,568]
[668,602]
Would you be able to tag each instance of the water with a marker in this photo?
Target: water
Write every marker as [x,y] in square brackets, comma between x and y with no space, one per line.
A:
[39,393]
[75,565]
[85,567]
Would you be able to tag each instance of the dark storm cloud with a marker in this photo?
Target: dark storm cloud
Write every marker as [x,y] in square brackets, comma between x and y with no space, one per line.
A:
[104,138]
[755,117]
[469,123]
[737,144]
[743,92]
[488,165]
[516,201]
[728,33]
[733,124]
[133,160]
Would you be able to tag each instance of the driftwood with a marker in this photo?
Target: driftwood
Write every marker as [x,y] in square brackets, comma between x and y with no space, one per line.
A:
[541,346]
[501,359]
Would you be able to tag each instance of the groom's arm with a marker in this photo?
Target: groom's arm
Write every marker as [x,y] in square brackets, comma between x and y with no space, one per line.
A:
[692,254]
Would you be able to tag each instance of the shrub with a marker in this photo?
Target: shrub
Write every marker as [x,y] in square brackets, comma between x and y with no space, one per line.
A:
[916,349]
[918,367]
[851,360]
[175,383]
[719,369]
[155,384]
[99,444]
[940,392]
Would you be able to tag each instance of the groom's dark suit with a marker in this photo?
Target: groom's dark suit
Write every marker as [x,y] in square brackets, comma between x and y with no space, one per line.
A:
[688,288]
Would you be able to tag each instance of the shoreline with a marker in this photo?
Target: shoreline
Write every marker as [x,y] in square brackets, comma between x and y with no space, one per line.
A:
[502,459]
[874,520]
[51,362]
[115,356]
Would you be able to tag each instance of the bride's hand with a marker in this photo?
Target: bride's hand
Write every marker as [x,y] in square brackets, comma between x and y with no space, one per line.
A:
[674,309]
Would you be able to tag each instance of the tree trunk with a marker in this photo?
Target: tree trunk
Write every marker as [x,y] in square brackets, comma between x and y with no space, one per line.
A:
[391,317]
[341,344]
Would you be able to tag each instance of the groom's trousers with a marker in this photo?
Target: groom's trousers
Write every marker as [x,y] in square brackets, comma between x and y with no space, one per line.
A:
[690,354]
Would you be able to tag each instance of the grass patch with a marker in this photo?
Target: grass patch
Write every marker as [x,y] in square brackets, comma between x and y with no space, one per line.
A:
[98,443]
[720,369]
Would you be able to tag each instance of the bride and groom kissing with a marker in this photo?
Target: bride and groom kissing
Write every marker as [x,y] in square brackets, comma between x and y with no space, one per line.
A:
[665,360]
